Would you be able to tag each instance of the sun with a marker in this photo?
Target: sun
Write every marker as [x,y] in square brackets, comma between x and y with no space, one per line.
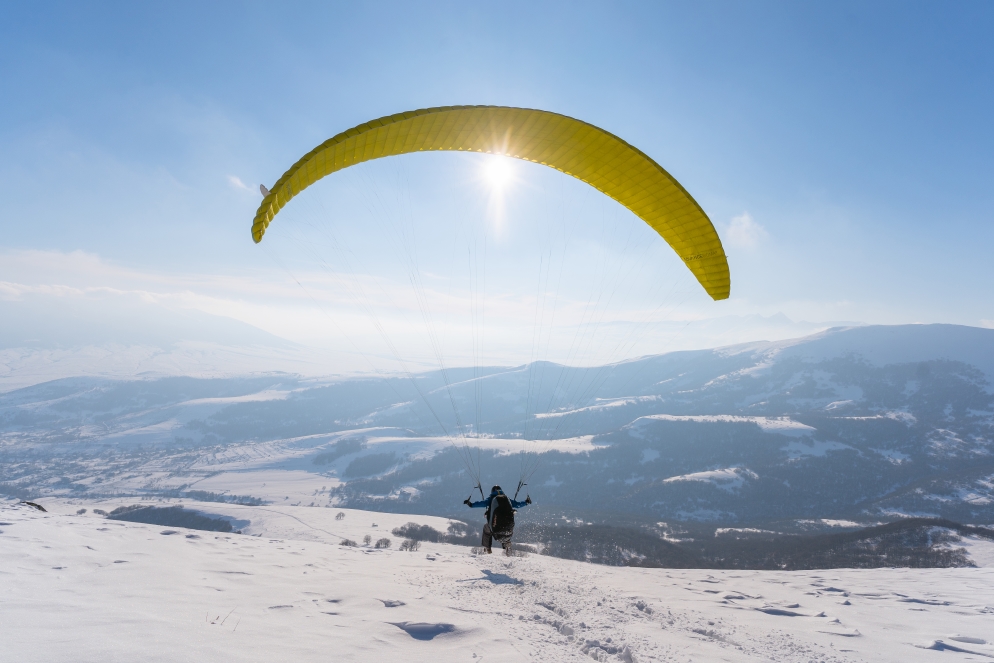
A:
[498,171]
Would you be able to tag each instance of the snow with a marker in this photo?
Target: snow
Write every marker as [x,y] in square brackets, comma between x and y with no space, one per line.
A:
[290,486]
[905,418]
[741,530]
[601,404]
[504,446]
[829,522]
[779,425]
[258,397]
[82,588]
[980,551]
[972,497]
[731,478]
[379,441]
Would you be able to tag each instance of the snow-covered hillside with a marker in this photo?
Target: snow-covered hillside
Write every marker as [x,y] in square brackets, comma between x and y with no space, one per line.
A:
[83,588]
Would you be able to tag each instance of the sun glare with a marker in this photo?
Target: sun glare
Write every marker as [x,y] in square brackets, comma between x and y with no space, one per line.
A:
[498,171]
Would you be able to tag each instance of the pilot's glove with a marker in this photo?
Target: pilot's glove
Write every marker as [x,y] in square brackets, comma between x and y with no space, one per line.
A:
[528,500]
[467,502]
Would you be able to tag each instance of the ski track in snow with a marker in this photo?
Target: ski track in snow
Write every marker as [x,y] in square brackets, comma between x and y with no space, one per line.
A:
[82,588]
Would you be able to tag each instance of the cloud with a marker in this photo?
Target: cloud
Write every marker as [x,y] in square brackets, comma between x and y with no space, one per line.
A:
[237,183]
[987,323]
[743,232]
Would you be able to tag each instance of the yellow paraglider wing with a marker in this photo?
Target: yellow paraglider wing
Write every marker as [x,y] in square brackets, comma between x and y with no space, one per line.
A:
[576,148]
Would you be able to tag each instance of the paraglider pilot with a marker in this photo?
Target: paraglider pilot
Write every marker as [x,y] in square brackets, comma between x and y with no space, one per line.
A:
[500,517]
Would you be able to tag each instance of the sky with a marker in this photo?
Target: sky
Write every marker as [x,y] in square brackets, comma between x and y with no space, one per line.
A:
[843,150]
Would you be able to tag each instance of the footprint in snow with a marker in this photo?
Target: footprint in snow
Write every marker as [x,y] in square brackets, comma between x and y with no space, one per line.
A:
[423,631]
[495,578]
[939,645]
[780,612]
[392,604]
[845,633]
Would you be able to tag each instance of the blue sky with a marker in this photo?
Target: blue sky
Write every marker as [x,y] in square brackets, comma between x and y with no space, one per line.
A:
[843,150]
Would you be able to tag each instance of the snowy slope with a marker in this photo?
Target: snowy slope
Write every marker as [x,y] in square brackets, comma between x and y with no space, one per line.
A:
[81,588]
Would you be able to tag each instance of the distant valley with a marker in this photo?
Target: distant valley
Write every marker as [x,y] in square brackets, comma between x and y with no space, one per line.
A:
[863,424]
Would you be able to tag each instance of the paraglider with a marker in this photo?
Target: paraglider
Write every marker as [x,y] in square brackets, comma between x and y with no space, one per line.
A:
[499,516]
[576,148]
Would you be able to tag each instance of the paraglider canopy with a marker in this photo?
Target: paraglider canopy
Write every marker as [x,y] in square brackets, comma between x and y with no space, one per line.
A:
[576,148]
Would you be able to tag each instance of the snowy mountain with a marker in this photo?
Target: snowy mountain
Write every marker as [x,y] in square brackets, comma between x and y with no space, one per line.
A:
[862,424]
[124,336]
